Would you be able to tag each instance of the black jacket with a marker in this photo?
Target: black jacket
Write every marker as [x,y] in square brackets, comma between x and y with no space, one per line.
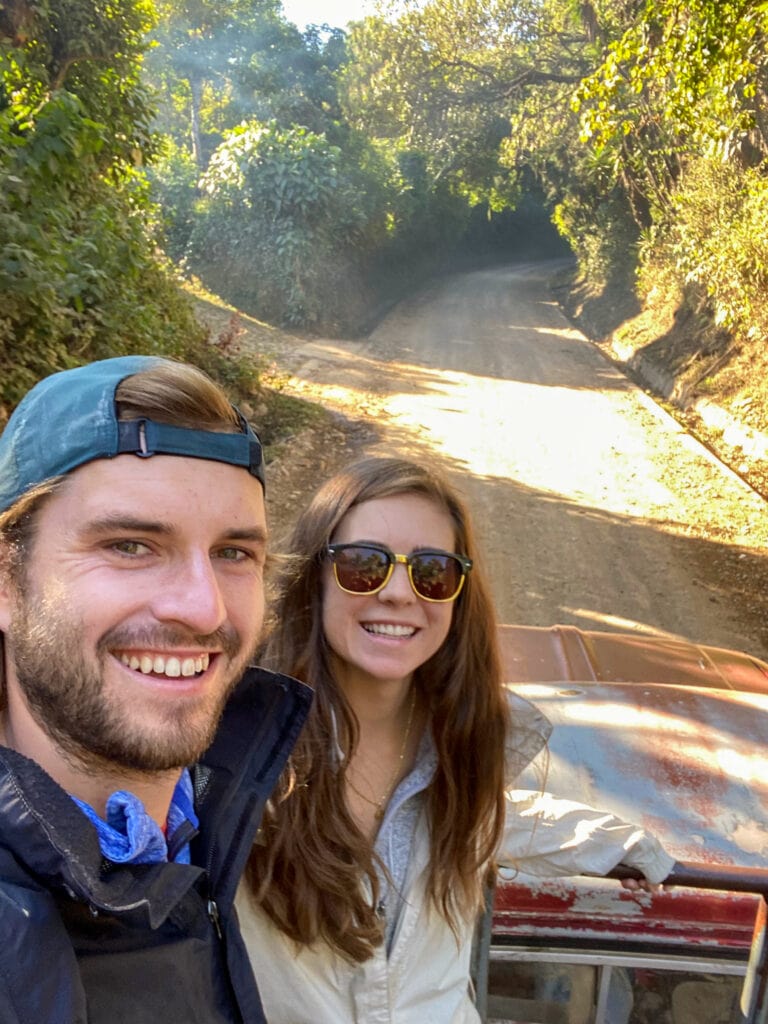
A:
[86,940]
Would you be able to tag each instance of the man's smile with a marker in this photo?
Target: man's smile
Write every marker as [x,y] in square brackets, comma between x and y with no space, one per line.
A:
[170,665]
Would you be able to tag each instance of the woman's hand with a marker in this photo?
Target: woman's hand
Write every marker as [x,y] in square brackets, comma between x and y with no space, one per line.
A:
[636,884]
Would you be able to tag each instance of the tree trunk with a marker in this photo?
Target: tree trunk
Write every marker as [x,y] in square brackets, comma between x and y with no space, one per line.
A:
[196,90]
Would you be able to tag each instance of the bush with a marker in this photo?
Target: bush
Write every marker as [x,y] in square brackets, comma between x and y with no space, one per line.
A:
[717,241]
[173,183]
[80,273]
[602,234]
[276,226]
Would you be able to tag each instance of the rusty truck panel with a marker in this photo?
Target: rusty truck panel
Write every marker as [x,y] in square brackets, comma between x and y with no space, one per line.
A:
[671,735]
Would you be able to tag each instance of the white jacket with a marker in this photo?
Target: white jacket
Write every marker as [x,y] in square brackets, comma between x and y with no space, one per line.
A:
[425,979]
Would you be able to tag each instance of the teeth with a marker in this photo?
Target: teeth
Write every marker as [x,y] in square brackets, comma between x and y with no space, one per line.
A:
[387,629]
[171,666]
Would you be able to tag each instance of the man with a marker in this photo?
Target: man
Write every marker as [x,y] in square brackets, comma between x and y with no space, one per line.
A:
[132,550]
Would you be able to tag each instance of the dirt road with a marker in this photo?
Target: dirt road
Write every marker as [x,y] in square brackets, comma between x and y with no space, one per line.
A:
[593,505]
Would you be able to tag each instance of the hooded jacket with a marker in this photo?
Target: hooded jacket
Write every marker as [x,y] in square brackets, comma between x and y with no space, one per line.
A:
[86,941]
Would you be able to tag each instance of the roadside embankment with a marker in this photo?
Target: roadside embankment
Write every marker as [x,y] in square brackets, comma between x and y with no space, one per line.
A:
[717,388]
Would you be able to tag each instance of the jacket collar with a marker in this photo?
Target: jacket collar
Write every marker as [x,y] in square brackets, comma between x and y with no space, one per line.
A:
[240,769]
[50,836]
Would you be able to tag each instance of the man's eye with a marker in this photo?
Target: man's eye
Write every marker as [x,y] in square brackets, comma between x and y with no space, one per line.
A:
[245,557]
[235,554]
[129,547]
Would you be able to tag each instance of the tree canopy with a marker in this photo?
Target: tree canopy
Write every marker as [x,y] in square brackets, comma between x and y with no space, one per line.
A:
[619,108]
[79,272]
[314,174]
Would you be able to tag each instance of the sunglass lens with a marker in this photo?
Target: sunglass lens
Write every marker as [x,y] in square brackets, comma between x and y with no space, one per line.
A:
[361,570]
[436,577]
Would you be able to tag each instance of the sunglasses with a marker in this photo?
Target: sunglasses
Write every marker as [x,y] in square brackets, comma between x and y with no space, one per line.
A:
[366,569]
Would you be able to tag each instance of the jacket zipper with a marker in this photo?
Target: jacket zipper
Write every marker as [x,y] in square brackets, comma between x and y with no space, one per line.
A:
[213,914]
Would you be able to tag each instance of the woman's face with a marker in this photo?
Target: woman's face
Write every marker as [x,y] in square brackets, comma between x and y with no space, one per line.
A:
[384,637]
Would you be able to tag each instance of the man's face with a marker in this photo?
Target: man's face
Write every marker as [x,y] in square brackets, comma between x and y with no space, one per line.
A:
[139,606]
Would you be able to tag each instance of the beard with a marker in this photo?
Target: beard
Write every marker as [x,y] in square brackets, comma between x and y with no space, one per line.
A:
[96,728]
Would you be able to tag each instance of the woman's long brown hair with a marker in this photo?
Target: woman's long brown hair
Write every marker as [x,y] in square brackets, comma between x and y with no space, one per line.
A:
[312,870]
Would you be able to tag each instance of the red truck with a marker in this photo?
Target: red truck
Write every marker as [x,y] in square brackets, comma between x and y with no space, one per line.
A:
[674,736]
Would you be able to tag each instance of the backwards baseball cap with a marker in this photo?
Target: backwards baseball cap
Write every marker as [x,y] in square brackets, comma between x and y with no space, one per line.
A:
[70,418]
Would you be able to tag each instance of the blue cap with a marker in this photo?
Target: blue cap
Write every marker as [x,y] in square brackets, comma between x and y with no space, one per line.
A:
[70,418]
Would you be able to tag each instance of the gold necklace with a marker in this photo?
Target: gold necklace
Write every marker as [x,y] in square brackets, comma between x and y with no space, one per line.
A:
[381,803]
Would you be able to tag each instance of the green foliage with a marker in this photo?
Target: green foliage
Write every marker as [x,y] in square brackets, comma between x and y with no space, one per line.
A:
[432,80]
[173,181]
[79,271]
[277,215]
[695,66]
[218,64]
[425,222]
[681,80]
[88,49]
[717,242]
[481,90]
[602,235]
[678,109]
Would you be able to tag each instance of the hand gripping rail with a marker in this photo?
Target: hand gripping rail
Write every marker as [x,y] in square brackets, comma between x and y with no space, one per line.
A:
[753,1004]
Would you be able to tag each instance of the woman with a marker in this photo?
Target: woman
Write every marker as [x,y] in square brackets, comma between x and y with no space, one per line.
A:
[361,894]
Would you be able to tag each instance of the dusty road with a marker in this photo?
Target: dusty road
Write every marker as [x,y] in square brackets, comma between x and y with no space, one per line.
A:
[593,505]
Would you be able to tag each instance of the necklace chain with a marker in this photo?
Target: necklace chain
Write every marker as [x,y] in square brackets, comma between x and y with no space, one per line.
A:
[381,803]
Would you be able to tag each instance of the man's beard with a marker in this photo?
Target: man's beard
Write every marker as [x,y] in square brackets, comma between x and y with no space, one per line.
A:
[68,699]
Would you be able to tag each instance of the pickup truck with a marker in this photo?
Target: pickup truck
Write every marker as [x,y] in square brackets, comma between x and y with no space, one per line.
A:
[674,736]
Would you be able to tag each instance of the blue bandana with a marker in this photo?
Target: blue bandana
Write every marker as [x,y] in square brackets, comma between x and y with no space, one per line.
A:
[130,836]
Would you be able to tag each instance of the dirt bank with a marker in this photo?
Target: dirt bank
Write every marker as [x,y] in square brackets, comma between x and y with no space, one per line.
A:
[716,388]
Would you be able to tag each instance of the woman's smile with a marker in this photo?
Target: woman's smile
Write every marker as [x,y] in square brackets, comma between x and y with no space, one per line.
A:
[386,635]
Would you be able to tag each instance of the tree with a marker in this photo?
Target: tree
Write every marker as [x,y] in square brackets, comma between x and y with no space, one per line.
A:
[446,77]
[278,222]
[217,63]
[681,80]
[679,109]
[78,268]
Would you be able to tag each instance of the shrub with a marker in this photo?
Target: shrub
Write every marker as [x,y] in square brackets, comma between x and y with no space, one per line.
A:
[173,183]
[716,241]
[274,223]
